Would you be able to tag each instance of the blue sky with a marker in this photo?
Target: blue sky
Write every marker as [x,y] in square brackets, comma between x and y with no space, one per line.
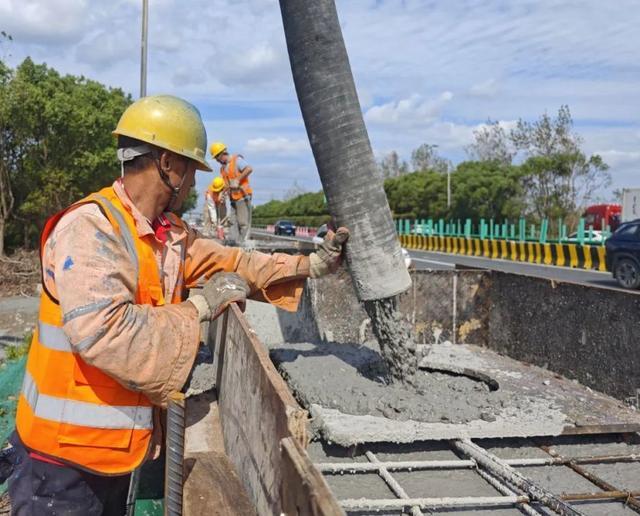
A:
[426,71]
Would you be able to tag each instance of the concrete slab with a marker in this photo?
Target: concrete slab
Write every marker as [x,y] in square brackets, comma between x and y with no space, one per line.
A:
[539,403]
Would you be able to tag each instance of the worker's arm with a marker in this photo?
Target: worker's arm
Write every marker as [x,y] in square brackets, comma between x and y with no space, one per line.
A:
[145,348]
[245,172]
[278,278]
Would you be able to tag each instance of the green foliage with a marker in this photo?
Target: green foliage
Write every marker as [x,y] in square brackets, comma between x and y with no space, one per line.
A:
[15,352]
[56,141]
[485,189]
[307,209]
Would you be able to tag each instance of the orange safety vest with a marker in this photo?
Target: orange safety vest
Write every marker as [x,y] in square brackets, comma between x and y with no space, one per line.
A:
[229,172]
[70,410]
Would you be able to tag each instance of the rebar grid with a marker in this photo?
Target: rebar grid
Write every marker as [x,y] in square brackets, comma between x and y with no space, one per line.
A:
[630,501]
[516,490]
[392,483]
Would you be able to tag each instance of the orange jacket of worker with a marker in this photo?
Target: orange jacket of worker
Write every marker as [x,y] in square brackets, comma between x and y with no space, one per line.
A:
[115,336]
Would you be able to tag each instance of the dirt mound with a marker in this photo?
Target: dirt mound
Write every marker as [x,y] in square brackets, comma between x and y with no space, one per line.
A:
[19,273]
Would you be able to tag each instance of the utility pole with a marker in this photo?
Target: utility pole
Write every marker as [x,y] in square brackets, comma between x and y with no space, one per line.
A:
[143,48]
[448,187]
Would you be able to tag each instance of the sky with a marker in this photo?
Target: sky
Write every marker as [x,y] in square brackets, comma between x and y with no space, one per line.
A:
[427,71]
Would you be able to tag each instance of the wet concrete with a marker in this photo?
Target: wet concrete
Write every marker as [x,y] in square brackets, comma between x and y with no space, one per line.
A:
[395,340]
[351,378]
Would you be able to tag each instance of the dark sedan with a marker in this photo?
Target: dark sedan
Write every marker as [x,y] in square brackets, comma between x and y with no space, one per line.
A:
[285,227]
[623,254]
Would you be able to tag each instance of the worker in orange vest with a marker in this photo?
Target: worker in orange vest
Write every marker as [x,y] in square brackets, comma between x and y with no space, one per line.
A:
[235,171]
[116,334]
[215,206]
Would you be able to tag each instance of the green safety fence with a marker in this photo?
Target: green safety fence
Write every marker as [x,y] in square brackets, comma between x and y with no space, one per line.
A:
[503,230]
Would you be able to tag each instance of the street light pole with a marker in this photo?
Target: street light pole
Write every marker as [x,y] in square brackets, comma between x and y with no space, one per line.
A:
[448,187]
[143,48]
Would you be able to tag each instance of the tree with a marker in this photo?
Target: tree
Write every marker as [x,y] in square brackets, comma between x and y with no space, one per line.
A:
[491,143]
[487,189]
[426,157]
[560,180]
[392,166]
[56,142]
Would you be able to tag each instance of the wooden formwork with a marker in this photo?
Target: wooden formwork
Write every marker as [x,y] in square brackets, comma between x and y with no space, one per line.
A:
[265,431]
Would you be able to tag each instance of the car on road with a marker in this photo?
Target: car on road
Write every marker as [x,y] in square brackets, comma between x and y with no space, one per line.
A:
[596,237]
[284,227]
[623,254]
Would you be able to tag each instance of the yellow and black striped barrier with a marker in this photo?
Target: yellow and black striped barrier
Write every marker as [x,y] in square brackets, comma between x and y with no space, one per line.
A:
[576,256]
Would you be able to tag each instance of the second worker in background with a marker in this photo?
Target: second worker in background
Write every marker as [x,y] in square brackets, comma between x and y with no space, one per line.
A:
[235,171]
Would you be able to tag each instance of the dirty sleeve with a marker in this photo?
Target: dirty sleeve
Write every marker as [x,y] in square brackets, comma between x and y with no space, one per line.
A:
[144,348]
[273,278]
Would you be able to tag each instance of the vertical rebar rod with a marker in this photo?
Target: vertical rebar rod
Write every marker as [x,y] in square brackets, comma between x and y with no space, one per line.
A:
[133,492]
[174,467]
[143,48]
[392,482]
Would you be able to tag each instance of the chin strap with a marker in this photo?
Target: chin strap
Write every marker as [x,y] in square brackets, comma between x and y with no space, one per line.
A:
[175,190]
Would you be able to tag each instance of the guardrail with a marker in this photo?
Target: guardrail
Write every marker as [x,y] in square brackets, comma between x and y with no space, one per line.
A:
[505,230]
[559,254]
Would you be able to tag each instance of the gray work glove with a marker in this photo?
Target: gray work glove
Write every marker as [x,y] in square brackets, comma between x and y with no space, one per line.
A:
[218,293]
[329,255]
[234,184]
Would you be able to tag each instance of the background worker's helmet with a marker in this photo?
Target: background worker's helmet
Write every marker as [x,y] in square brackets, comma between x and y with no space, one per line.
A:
[217,184]
[167,122]
[217,148]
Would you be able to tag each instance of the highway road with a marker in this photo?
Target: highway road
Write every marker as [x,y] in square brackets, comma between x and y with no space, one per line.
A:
[426,260]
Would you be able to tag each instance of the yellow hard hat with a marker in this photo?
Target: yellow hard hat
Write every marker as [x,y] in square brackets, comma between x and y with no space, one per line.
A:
[167,122]
[217,184]
[217,148]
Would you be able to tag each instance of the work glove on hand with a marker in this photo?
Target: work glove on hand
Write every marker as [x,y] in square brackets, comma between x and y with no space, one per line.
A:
[329,255]
[218,293]
[234,184]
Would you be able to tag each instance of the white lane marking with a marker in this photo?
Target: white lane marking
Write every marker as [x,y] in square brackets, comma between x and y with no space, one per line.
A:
[435,262]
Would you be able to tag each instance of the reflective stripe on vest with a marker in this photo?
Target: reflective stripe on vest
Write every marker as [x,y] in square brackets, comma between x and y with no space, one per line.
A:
[85,414]
[68,409]
[230,172]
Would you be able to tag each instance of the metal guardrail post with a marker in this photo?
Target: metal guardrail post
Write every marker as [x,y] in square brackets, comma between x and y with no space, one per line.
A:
[174,467]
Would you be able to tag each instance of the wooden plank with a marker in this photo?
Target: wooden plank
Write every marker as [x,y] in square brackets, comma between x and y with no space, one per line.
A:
[256,411]
[304,490]
[212,487]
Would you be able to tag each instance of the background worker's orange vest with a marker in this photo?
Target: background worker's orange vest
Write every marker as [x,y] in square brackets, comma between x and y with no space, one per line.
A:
[229,172]
[70,410]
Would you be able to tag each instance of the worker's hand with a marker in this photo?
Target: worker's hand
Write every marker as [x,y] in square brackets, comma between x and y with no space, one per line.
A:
[234,184]
[329,255]
[218,293]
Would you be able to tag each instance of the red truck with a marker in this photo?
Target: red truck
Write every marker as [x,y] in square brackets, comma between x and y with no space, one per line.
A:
[609,214]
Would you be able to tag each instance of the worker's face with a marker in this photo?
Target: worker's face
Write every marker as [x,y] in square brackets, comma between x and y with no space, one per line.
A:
[181,171]
[222,158]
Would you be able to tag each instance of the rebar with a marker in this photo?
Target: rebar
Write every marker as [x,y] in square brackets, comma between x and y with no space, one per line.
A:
[367,467]
[366,504]
[631,502]
[174,467]
[498,467]
[392,483]
[506,491]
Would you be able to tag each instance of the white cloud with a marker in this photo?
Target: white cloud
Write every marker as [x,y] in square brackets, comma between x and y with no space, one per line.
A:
[280,146]
[43,22]
[488,88]
[618,158]
[409,111]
